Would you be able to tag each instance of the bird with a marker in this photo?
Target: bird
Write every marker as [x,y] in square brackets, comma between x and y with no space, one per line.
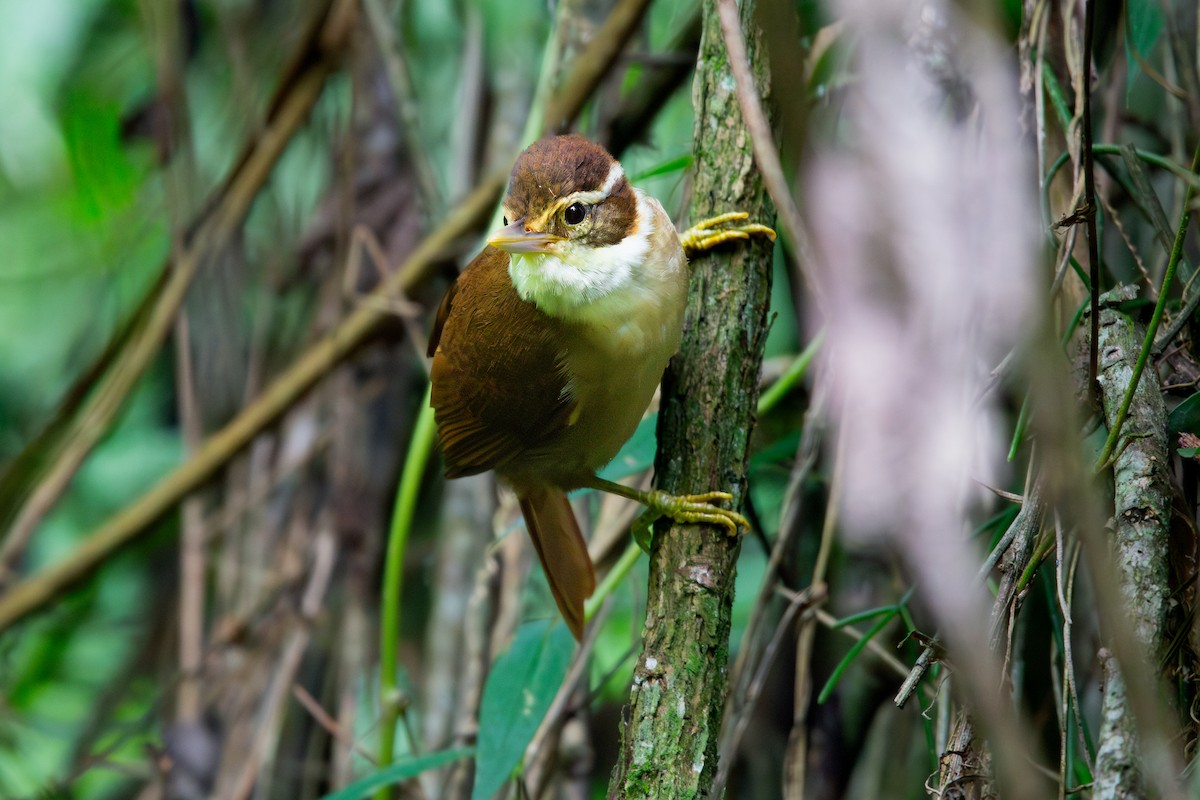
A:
[548,347]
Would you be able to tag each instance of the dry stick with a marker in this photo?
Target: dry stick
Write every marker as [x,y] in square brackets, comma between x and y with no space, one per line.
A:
[1107,205]
[1066,567]
[234,202]
[271,714]
[796,757]
[179,178]
[361,326]
[765,154]
[807,602]
[188,704]
[1069,668]
[1021,536]
[556,715]
[330,724]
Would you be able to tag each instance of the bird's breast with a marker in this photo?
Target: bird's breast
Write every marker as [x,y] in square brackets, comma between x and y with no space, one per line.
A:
[615,357]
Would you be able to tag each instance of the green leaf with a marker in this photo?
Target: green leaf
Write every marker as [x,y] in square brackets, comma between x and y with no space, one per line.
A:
[399,771]
[677,164]
[853,654]
[1188,452]
[638,452]
[517,695]
[1143,24]
[1185,417]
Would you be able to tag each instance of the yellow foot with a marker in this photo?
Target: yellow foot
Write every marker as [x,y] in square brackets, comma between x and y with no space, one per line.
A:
[706,235]
[689,509]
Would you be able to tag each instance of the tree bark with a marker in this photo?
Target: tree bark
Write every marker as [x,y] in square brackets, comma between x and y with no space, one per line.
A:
[1141,544]
[669,742]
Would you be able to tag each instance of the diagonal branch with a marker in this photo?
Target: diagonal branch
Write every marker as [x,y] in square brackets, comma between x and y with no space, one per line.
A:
[315,60]
[361,327]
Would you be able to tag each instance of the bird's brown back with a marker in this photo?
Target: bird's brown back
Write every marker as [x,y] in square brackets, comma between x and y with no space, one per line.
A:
[499,388]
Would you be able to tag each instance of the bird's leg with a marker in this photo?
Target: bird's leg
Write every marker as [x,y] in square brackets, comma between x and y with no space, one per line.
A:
[707,234]
[685,509]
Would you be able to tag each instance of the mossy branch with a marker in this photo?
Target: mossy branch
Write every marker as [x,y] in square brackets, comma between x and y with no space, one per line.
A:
[669,745]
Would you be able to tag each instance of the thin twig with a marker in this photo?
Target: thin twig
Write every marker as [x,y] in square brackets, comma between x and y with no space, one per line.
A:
[798,602]
[330,724]
[271,712]
[1089,198]
[765,154]
[796,756]
[560,706]
[1185,218]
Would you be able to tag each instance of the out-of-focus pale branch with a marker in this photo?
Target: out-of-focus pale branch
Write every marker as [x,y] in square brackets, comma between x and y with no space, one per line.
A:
[926,250]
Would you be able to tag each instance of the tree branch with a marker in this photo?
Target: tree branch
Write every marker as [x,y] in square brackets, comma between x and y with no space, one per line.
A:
[669,746]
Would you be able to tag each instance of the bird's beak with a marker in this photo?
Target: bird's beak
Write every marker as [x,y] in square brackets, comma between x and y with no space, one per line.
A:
[515,239]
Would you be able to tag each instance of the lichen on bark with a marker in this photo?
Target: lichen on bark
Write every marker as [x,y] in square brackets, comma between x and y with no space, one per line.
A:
[1141,519]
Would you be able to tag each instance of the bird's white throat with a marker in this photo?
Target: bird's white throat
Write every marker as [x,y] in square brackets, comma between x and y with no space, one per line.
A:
[566,284]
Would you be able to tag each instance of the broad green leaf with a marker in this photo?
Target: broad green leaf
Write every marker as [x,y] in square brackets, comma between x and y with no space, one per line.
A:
[1143,24]
[1185,417]
[517,695]
[400,771]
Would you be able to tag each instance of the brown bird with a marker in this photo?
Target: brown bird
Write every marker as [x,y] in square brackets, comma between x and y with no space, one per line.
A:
[547,349]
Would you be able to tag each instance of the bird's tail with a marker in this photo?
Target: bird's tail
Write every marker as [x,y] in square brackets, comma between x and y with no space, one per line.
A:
[562,550]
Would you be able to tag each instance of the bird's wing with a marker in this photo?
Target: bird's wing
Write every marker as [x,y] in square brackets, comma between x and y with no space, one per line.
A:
[499,387]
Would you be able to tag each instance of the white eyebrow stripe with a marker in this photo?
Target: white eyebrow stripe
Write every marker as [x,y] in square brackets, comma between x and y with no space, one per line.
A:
[587,198]
[615,174]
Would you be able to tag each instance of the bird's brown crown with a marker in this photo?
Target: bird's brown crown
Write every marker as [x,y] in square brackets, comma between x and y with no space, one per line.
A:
[556,175]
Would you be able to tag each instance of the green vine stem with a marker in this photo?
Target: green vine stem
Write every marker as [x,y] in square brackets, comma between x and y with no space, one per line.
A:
[1185,219]
[423,436]
[612,580]
[1188,177]
[795,373]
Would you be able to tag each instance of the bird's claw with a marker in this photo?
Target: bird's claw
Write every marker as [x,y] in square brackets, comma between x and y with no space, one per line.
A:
[707,234]
[689,509]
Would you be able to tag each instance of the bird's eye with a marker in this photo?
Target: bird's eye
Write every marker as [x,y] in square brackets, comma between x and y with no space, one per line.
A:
[505,221]
[575,213]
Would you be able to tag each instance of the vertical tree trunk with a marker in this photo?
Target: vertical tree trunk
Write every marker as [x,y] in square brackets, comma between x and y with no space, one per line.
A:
[669,743]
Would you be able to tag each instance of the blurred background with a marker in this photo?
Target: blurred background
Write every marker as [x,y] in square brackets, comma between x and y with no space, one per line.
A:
[197,197]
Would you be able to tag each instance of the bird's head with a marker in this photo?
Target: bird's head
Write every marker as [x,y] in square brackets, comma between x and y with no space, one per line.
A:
[575,229]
